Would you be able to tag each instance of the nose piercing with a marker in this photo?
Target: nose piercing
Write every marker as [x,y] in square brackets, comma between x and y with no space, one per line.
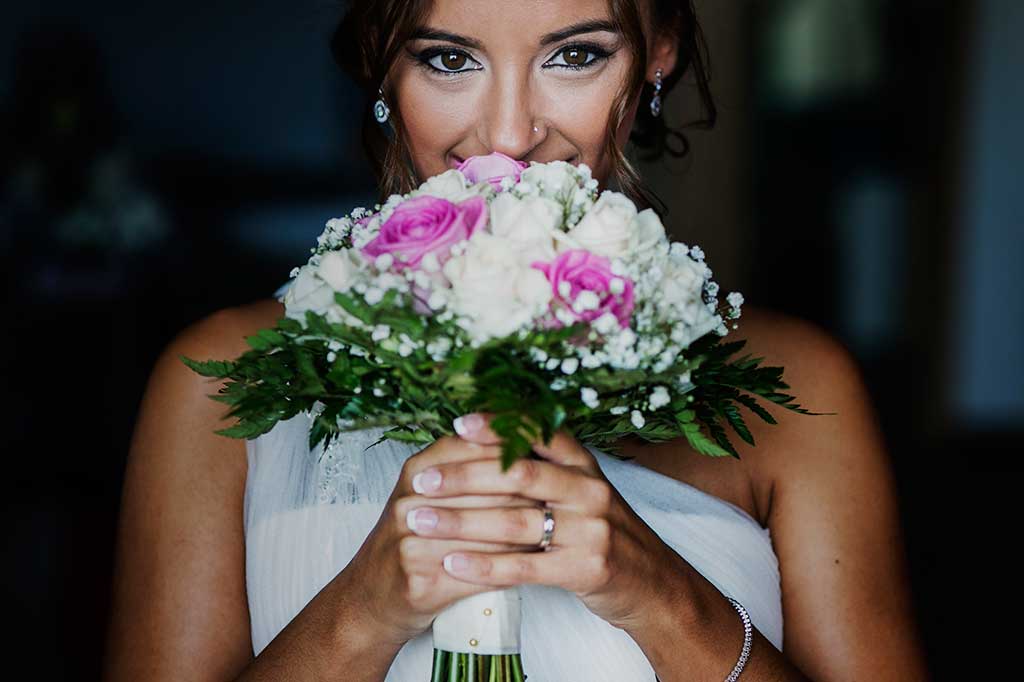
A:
[536,129]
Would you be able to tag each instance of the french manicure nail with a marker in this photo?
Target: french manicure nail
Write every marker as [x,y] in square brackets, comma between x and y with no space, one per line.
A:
[456,562]
[421,518]
[467,423]
[428,480]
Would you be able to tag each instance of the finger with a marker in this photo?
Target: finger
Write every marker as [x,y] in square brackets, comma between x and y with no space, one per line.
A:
[447,449]
[403,505]
[565,449]
[423,556]
[453,588]
[475,427]
[474,501]
[556,568]
[519,526]
[533,478]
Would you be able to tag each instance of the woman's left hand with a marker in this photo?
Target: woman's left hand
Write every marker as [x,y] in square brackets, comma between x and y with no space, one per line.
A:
[600,550]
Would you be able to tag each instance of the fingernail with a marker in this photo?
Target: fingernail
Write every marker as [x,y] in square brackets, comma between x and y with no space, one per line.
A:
[456,562]
[421,518]
[467,423]
[427,480]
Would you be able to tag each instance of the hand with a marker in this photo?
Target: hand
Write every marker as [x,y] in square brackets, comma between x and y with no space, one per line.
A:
[397,575]
[601,550]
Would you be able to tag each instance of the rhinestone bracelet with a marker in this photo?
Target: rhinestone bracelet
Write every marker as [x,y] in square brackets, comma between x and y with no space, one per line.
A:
[747,640]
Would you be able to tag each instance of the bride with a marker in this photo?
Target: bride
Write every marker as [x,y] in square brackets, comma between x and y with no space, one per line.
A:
[255,560]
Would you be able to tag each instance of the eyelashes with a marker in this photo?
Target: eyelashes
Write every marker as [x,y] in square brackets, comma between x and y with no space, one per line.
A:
[426,59]
[595,54]
[599,54]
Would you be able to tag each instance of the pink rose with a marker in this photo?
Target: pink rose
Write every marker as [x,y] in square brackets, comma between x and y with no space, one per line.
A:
[491,168]
[426,224]
[586,271]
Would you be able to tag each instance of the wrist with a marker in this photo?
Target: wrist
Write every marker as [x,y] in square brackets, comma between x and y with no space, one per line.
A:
[691,630]
[677,607]
[357,630]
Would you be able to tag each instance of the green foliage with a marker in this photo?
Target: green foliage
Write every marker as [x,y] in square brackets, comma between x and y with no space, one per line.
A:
[721,384]
[525,407]
[366,384]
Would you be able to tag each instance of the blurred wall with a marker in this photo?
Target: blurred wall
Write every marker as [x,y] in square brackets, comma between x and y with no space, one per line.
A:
[241,82]
[987,362]
[707,193]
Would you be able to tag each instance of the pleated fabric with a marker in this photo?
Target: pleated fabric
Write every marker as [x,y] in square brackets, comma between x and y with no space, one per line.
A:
[307,512]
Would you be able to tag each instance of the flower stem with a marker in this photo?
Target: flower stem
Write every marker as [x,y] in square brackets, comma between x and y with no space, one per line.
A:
[517,669]
[439,657]
[455,666]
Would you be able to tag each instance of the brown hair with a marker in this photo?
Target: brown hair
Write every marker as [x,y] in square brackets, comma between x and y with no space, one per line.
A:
[370,35]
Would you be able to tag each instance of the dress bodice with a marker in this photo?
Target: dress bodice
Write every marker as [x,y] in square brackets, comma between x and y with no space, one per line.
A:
[307,512]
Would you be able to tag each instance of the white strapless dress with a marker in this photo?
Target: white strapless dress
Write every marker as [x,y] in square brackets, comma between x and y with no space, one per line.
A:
[306,515]
[307,512]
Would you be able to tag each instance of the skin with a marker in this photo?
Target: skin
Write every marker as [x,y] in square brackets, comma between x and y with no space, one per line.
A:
[490,98]
[823,485]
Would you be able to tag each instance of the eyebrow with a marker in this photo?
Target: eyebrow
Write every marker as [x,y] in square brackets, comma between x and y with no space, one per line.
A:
[591,26]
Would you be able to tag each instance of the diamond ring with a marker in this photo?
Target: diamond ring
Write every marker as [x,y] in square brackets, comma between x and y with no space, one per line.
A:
[549,529]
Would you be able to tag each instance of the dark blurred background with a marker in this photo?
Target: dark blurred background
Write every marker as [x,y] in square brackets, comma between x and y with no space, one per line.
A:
[161,161]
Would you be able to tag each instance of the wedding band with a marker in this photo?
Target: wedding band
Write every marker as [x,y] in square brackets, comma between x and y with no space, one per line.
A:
[549,529]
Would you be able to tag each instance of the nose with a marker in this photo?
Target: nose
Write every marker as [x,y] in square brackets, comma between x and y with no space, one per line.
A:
[507,120]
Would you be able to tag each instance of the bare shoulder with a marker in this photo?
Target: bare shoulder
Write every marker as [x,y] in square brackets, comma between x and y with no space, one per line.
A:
[803,347]
[223,332]
[174,389]
[823,376]
[179,603]
[833,511]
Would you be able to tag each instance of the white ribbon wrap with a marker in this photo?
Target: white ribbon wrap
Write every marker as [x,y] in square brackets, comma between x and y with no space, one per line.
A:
[491,619]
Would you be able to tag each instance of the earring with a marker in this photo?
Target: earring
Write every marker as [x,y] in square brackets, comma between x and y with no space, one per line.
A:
[656,100]
[380,110]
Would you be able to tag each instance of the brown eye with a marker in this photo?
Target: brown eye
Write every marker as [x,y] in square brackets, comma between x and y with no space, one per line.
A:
[449,62]
[453,61]
[578,57]
[574,56]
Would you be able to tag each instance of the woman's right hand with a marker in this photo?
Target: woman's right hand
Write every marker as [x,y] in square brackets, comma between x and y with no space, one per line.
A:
[399,575]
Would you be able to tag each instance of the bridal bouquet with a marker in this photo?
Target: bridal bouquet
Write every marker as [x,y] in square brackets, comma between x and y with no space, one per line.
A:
[508,288]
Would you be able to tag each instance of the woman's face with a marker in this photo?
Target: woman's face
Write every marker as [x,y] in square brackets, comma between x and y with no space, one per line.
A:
[480,75]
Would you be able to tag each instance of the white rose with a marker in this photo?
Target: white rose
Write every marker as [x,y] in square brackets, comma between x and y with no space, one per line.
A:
[607,226]
[451,185]
[681,284]
[680,299]
[307,292]
[647,237]
[555,179]
[529,224]
[340,268]
[494,289]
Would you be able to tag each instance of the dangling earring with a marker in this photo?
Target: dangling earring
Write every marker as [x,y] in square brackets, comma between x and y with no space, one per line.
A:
[380,110]
[656,100]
